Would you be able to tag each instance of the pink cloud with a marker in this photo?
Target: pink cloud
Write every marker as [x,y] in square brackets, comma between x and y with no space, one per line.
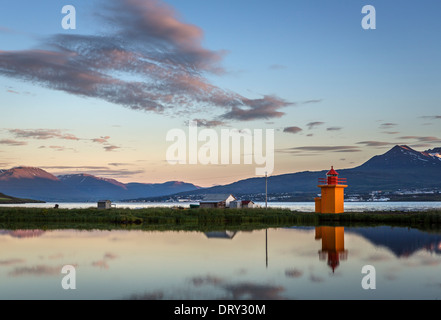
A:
[149,42]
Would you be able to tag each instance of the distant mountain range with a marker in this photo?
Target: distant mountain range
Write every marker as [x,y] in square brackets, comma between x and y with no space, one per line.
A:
[35,183]
[400,168]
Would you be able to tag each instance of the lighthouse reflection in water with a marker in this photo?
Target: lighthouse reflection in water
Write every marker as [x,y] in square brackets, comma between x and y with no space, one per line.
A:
[333,245]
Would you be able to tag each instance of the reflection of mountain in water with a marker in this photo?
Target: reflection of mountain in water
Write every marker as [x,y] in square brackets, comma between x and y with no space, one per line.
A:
[402,242]
[221,234]
[23,233]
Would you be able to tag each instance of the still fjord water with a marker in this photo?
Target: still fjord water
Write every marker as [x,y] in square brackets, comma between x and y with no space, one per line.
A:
[285,263]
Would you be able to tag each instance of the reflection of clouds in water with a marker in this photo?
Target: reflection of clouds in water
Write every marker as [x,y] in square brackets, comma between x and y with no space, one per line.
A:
[102,263]
[110,256]
[390,273]
[254,291]
[293,273]
[10,262]
[242,271]
[243,290]
[207,280]
[431,284]
[56,256]
[315,278]
[390,276]
[377,257]
[38,270]
[157,295]
[430,261]
[426,261]
[228,290]
[305,253]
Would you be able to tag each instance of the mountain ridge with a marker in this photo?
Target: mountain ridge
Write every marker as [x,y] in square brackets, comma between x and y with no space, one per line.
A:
[36,183]
[398,168]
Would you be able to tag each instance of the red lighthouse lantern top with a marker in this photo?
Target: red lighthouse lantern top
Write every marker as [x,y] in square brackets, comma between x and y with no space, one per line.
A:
[332,172]
[332,178]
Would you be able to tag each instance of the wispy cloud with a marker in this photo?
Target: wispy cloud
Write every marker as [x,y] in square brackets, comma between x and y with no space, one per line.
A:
[148,42]
[42,134]
[257,109]
[292,130]
[73,168]
[320,149]
[7,30]
[118,164]
[312,101]
[57,148]
[10,262]
[334,128]
[101,139]
[100,171]
[421,139]
[110,148]
[209,123]
[431,117]
[312,125]
[15,143]
[376,143]
[387,125]
[278,67]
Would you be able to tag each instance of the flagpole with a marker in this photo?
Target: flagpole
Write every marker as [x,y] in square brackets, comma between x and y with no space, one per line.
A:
[266,190]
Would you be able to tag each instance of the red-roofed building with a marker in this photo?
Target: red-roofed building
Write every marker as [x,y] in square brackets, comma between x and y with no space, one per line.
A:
[248,204]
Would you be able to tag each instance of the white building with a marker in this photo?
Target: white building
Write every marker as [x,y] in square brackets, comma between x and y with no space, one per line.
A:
[217,201]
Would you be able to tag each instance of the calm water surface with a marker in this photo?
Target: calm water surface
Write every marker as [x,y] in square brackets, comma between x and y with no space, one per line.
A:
[287,263]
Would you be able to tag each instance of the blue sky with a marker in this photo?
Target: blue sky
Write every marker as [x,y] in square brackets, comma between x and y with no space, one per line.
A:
[293,63]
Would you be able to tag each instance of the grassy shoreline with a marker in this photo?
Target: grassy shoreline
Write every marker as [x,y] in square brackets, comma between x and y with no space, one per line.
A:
[204,219]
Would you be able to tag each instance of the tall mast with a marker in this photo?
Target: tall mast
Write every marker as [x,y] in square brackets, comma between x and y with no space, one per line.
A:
[266,190]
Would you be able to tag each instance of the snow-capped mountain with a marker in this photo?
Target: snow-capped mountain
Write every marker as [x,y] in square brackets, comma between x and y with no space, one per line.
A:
[404,157]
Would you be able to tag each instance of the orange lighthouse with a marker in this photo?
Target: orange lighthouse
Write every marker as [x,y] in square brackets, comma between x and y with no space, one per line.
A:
[332,199]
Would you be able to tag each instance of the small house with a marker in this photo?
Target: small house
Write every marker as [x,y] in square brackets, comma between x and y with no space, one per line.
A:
[248,204]
[217,201]
[104,204]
